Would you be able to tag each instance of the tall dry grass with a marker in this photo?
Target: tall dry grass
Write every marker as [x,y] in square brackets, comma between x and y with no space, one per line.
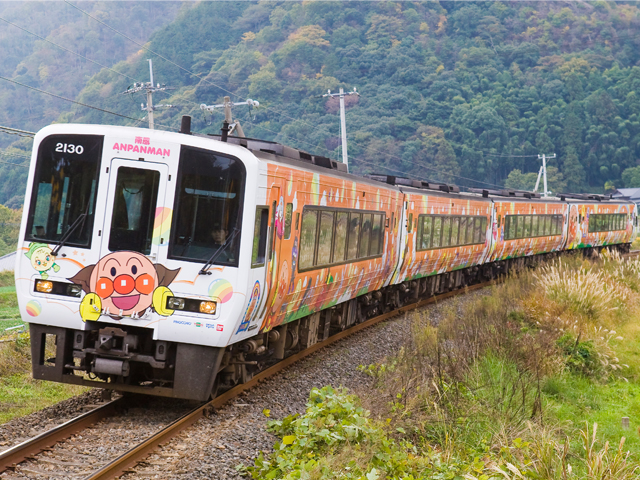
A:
[471,380]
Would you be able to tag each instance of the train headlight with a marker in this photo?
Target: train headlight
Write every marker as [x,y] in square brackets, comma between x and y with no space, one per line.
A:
[175,303]
[58,288]
[44,286]
[208,307]
[74,290]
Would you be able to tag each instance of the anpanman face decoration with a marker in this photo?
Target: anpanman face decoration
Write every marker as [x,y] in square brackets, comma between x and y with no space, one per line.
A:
[123,284]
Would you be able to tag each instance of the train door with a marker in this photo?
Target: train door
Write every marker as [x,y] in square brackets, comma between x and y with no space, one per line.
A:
[276,226]
[135,193]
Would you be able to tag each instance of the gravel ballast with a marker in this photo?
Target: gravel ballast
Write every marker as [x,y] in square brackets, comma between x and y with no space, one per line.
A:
[235,434]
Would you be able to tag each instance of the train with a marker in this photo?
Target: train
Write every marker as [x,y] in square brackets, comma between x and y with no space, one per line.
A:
[179,264]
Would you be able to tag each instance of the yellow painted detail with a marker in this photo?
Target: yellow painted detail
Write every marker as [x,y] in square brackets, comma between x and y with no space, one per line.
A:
[160,296]
[90,307]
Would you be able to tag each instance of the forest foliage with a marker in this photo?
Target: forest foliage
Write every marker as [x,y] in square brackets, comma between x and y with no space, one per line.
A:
[466,92]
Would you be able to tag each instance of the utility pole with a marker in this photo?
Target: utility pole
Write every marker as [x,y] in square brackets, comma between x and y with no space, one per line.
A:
[343,121]
[230,125]
[543,173]
[150,88]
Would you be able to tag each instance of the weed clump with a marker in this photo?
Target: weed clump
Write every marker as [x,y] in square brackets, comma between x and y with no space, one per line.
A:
[480,391]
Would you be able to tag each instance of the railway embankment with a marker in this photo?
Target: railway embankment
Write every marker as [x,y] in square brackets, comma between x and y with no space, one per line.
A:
[540,378]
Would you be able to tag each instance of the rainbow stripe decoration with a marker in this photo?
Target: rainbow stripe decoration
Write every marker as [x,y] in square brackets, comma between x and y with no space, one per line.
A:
[34,308]
[221,289]
[162,226]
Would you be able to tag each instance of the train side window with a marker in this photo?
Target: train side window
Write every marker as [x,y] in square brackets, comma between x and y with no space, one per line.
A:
[365,236]
[410,223]
[512,226]
[509,227]
[339,247]
[520,226]
[272,237]
[353,236]
[455,230]
[307,239]
[427,227]
[558,224]
[437,232]
[381,244]
[591,223]
[325,238]
[534,225]
[477,230]
[470,227]
[260,236]
[463,231]
[297,220]
[376,237]
[288,213]
[483,229]
[446,231]
[527,226]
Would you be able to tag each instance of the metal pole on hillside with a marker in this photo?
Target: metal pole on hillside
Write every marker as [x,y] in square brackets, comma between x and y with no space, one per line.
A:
[230,124]
[343,121]
[543,173]
[150,88]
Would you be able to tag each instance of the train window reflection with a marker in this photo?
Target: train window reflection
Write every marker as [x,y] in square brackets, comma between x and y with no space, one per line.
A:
[134,206]
[208,207]
[65,187]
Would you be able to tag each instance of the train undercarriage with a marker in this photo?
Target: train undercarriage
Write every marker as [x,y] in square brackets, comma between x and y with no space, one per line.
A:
[110,357]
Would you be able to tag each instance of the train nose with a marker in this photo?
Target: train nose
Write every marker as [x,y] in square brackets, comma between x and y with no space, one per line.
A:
[124,284]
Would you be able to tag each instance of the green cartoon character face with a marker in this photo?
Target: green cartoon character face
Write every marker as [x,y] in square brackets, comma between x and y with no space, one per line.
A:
[41,259]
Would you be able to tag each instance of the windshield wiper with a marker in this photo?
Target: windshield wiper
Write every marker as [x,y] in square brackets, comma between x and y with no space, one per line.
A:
[216,254]
[72,228]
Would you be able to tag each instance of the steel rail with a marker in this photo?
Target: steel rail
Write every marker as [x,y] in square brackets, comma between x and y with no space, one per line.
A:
[129,459]
[10,458]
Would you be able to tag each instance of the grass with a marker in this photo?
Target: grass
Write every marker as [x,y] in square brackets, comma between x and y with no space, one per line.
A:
[19,393]
[531,381]
[9,312]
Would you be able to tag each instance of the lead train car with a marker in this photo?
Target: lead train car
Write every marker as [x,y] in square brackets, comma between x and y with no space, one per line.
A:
[179,265]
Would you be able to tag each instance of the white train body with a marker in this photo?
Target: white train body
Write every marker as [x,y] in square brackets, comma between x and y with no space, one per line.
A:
[175,264]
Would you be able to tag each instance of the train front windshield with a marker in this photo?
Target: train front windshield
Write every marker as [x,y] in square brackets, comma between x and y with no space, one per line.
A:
[207,214]
[65,187]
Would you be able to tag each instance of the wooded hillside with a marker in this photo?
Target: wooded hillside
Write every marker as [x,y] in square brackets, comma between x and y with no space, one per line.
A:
[456,91]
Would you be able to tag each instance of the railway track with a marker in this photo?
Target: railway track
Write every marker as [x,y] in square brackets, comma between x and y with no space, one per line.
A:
[10,458]
[30,449]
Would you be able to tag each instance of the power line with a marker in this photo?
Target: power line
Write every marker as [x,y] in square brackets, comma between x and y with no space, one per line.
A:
[73,101]
[66,49]
[15,164]
[235,94]
[428,167]
[15,131]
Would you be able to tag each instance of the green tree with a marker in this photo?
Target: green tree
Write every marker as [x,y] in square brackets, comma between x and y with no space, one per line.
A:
[631,177]
[521,181]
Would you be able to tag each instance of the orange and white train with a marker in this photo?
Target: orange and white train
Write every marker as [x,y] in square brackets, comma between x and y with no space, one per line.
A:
[179,265]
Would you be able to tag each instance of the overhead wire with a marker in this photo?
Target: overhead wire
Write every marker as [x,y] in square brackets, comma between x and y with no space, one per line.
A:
[66,49]
[360,160]
[15,131]
[78,103]
[236,95]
